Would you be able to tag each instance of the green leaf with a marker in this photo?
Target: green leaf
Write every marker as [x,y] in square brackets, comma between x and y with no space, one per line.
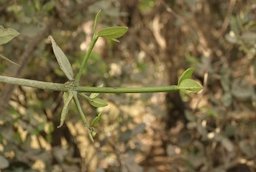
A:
[96,20]
[98,102]
[67,97]
[187,74]
[96,120]
[113,32]
[190,86]
[7,34]
[10,61]
[94,95]
[62,60]
[94,100]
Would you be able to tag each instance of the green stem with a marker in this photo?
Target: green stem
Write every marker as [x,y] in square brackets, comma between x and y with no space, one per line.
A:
[34,84]
[85,60]
[170,88]
[80,110]
[66,87]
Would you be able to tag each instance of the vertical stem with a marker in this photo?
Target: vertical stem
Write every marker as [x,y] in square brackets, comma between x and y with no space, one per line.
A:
[85,60]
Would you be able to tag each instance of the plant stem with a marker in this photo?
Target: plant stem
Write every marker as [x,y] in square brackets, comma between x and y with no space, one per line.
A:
[170,88]
[65,87]
[34,84]
[85,60]
[81,112]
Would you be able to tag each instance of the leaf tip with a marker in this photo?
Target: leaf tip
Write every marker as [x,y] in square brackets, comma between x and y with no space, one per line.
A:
[60,125]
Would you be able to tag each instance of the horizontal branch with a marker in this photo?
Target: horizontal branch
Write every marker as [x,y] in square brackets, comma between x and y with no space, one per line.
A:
[34,84]
[65,87]
[170,88]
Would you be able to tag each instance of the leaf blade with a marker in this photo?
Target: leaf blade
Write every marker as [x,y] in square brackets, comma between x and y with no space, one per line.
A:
[95,101]
[67,97]
[187,74]
[94,95]
[98,102]
[113,32]
[62,60]
[7,34]
[190,86]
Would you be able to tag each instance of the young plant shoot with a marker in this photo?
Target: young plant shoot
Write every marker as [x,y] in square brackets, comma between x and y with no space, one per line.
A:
[72,89]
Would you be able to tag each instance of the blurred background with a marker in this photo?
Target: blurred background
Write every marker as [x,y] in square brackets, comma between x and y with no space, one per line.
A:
[212,131]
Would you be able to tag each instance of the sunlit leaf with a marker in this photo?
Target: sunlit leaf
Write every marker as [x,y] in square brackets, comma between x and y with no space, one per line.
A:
[10,61]
[190,86]
[62,60]
[94,95]
[67,97]
[187,74]
[7,34]
[98,102]
[113,32]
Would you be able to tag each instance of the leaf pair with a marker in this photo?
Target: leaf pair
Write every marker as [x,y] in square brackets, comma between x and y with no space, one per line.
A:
[111,33]
[188,85]
[69,95]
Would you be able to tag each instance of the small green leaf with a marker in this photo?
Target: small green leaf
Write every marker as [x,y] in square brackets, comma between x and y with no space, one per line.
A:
[94,95]
[67,97]
[190,86]
[96,120]
[62,60]
[94,100]
[113,32]
[187,74]
[10,61]
[98,102]
[7,34]
[96,20]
